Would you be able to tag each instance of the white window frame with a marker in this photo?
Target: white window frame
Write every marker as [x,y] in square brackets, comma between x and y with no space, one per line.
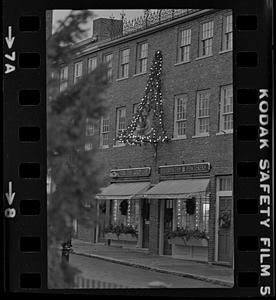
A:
[206,38]
[104,131]
[227,33]
[184,45]
[92,64]
[78,69]
[63,78]
[88,146]
[108,60]
[142,58]
[199,116]
[90,127]
[177,115]
[225,113]
[124,63]
[120,114]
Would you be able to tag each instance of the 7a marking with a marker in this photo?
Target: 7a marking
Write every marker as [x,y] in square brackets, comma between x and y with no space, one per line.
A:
[9,67]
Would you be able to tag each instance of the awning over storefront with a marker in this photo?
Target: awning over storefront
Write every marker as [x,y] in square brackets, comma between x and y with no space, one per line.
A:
[123,190]
[175,189]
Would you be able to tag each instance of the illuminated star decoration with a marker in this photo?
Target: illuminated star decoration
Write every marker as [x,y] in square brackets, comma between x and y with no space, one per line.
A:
[147,123]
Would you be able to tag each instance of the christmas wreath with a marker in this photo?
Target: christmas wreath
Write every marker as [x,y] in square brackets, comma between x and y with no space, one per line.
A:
[124,207]
[190,206]
[225,219]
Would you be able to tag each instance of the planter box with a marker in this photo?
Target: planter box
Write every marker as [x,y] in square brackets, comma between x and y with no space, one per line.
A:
[122,237]
[190,242]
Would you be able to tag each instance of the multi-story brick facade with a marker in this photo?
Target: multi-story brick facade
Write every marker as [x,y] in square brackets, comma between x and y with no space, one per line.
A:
[195,70]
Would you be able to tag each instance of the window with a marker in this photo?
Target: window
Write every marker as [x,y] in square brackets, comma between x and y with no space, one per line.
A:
[225,183]
[120,121]
[108,60]
[142,58]
[124,63]
[135,107]
[180,116]
[88,146]
[227,39]
[77,71]
[184,45]
[206,38]
[202,113]
[90,127]
[200,218]
[226,108]
[92,64]
[104,137]
[63,77]
[131,218]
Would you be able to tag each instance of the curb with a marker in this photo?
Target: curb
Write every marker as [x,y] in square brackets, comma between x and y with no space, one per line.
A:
[181,274]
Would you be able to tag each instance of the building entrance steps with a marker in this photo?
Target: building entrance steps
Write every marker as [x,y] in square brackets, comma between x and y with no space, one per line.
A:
[221,275]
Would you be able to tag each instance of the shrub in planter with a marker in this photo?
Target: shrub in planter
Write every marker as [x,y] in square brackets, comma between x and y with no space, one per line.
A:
[186,233]
[119,229]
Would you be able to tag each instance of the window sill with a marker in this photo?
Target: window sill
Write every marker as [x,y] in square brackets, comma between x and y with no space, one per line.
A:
[225,51]
[138,74]
[184,137]
[123,78]
[182,63]
[224,132]
[104,147]
[118,145]
[201,135]
[205,56]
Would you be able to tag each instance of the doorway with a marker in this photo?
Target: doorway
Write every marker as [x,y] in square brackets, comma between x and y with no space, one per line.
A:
[145,217]
[168,225]
[224,229]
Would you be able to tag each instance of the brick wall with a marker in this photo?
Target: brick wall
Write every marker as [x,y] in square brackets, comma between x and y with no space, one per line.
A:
[198,74]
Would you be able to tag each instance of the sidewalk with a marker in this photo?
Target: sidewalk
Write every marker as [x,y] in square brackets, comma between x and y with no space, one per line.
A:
[221,275]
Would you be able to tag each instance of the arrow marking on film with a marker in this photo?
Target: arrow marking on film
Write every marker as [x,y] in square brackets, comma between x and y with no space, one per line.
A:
[9,39]
[10,195]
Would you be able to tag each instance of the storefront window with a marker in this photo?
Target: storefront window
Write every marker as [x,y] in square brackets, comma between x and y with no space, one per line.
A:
[125,212]
[193,213]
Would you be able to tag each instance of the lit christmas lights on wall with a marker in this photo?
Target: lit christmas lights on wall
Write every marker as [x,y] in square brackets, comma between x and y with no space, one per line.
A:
[115,210]
[179,213]
[147,124]
[128,212]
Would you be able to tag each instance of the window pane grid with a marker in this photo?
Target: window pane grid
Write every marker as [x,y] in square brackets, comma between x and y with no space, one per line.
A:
[77,71]
[181,127]
[225,183]
[207,30]
[185,37]
[207,46]
[105,131]
[92,64]
[226,113]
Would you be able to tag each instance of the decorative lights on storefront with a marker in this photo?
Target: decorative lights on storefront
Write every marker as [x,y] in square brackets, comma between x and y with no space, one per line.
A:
[115,210]
[179,213]
[128,212]
[197,214]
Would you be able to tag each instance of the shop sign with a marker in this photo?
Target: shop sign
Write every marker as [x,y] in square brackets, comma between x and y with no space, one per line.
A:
[132,172]
[184,169]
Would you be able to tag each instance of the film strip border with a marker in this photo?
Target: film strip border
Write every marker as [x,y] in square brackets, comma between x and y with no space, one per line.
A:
[25,253]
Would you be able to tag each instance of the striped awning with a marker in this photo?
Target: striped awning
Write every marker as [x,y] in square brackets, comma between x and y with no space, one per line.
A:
[175,189]
[126,190]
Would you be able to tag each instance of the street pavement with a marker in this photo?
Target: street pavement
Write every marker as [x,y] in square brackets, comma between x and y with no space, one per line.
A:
[131,277]
[140,259]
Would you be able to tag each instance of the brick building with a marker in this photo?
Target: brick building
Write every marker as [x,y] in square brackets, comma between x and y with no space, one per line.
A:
[188,184]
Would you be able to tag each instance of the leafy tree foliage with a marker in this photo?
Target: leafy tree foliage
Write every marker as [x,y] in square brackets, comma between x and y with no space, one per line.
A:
[74,172]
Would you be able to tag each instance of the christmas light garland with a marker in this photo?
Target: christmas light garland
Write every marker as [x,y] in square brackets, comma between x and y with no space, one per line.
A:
[151,102]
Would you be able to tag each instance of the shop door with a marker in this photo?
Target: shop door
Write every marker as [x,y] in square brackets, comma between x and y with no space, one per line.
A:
[146,221]
[168,224]
[224,229]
